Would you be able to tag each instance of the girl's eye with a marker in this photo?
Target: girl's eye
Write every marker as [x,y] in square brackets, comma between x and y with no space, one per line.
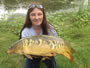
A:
[39,14]
[33,14]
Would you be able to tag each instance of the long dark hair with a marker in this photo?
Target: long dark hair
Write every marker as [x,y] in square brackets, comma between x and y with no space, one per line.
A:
[28,22]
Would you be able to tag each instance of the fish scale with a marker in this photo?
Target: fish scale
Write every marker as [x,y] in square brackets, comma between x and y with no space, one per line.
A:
[42,45]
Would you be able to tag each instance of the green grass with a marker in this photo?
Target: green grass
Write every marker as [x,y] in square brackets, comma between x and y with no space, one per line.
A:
[73,28]
[6,60]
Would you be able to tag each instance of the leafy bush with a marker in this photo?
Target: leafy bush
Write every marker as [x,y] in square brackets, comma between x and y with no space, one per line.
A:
[12,24]
[70,25]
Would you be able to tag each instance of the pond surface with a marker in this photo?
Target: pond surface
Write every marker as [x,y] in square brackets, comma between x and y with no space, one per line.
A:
[21,6]
[50,5]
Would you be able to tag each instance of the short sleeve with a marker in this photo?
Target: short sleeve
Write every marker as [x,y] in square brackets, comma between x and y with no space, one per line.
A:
[52,31]
[25,33]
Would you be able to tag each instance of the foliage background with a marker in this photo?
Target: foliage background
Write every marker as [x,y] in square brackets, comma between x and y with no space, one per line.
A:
[73,27]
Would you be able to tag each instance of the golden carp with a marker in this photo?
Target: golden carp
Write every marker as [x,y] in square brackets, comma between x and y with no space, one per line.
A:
[42,45]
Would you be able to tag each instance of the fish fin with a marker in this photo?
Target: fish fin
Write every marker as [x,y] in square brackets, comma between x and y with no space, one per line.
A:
[49,54]
[28,56]
[45,58]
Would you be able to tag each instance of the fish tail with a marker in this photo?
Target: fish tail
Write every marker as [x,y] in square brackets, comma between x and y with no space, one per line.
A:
[68,56]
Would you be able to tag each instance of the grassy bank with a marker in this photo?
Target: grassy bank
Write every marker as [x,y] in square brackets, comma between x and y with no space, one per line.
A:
[8,61]
[73,27]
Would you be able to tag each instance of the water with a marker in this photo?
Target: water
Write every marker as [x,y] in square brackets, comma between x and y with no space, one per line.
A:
[21,6]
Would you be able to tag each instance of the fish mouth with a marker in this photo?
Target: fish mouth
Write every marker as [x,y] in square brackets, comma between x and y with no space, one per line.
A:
[9,52]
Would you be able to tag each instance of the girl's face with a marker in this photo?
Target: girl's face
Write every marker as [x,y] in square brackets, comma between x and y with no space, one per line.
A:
[36,17]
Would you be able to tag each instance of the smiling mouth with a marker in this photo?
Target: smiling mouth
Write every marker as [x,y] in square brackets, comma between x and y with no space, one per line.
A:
[37,21]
